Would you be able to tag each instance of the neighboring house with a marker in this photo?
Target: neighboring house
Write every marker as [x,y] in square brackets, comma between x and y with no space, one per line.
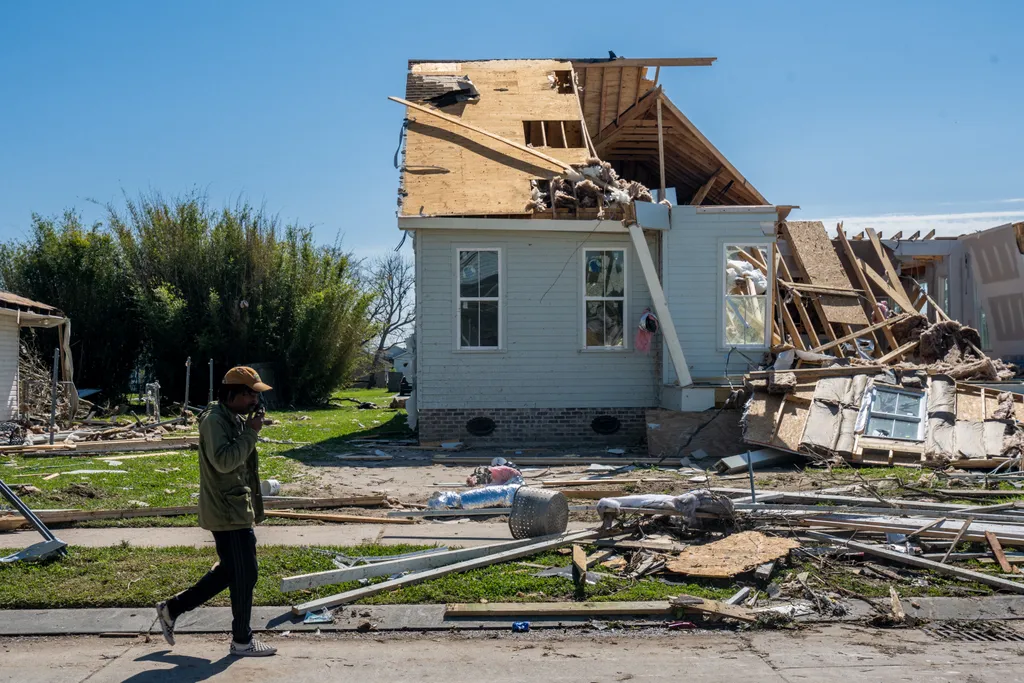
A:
[17,312]
[526,315]
[977,278]
[403,363]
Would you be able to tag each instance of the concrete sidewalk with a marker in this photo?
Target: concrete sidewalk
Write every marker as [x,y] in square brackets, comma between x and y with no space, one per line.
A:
[47,622]
[833,654]
[464,534]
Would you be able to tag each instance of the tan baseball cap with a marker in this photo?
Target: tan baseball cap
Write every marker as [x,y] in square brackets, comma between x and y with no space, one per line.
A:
[246,376]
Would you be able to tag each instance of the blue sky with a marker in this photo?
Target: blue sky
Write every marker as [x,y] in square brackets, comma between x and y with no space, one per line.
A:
[880,113]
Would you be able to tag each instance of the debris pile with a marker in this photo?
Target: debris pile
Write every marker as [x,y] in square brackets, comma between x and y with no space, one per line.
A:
[593,184]
[856,378]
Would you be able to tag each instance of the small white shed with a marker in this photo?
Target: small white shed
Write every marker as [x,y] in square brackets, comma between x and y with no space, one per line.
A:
[17,312]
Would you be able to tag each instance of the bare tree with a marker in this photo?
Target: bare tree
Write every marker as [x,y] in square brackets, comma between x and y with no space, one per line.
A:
[393,309]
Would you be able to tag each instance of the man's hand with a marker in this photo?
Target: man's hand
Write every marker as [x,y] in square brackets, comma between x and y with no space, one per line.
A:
[255,421]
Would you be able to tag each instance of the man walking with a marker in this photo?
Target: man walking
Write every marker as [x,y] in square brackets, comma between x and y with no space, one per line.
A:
[230,503]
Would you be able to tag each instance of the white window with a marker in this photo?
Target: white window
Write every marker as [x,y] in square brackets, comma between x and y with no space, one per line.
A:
[479,303]
[604,298]
[746,295]
[896,414]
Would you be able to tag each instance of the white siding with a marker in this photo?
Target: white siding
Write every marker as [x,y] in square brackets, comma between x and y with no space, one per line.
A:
[541,364]
[9,335]
[692,275]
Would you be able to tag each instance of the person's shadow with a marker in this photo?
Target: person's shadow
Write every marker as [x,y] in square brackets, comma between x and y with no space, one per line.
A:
[186,669]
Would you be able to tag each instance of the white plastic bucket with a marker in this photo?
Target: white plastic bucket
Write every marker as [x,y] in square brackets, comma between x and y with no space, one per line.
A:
[270,487]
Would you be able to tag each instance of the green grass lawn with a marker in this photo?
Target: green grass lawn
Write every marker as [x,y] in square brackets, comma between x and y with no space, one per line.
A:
[126,576]
[173,480]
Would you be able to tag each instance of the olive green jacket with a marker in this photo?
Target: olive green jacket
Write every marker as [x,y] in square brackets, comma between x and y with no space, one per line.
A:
[229,478]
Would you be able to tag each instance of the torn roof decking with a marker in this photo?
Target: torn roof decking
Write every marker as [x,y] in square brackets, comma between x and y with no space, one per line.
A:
[450,170]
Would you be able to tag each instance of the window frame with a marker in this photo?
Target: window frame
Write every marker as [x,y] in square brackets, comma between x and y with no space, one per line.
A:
[458,299]
[584,299]
[723,296]
[920,419]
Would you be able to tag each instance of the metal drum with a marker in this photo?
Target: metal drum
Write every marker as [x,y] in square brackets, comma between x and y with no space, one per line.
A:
[538,512]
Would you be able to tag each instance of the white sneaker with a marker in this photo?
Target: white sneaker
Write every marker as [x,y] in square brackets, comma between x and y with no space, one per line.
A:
[163,615]
[255,648]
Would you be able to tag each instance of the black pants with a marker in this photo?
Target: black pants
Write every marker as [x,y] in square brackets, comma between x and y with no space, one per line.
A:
[235,571]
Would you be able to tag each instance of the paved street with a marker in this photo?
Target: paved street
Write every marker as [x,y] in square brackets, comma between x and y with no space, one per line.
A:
[832,654]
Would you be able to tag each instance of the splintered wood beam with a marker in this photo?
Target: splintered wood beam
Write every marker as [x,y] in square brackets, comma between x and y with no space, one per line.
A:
[563,167]
[787,317]
[639,80]
[861,332]
[930,235]
[859,236]
[914,236]
[874,312]
[702,192]
[657,74]
[658,62]
[897,236]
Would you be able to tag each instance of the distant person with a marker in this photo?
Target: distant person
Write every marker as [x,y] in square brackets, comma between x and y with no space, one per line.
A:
[230,504]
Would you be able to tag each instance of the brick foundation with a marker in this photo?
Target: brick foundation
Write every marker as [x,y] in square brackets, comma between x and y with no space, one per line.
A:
[531,426]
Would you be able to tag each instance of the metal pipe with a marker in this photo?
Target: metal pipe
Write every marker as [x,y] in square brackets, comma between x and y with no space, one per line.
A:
[210,399]
[53,394]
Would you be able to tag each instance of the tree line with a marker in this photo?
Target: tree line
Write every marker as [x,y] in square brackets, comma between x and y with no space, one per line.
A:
[164,279]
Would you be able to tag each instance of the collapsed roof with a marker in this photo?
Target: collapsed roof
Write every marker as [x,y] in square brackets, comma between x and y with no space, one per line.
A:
[571,110]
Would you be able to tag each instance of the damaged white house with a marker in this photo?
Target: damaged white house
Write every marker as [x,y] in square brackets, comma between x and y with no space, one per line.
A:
[559,299]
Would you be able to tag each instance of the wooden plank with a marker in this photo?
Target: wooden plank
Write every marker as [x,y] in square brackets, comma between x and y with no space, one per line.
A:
[92,449]
[805,318]
[811,374]
[658,62]
[661,151]
[903,558]
[861,332]
[558,609]
[579,566]
[869,296]
[326,517]
[390,567]
[476,129]
[419,577]
[702,192]
[668,330]
[997,552]
[890,271]
[554,460]
[815,289]
[898,353]
[600,112]
[583,118]
[713,607]
[926,527]
[618,96]
[15,520]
